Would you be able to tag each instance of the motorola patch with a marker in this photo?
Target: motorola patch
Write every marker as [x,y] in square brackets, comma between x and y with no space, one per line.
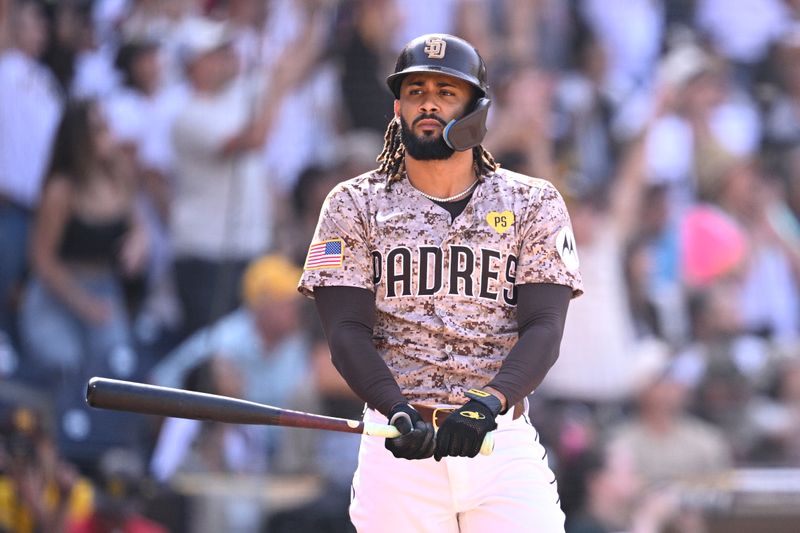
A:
[567,250]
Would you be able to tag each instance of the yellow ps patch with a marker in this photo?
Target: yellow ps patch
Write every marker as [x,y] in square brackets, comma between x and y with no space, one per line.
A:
[475,415]
[500,222]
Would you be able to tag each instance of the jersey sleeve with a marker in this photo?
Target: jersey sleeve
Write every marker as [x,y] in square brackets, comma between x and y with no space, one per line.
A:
[548,253]
[339,253]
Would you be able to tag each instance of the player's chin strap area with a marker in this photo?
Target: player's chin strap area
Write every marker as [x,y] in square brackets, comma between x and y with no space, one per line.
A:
[468,131]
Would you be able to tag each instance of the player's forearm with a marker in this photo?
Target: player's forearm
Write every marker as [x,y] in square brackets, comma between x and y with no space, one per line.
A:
[527,364]
[348,317]
[541,309]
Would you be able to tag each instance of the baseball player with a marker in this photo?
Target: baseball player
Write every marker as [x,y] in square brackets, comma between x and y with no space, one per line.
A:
[442,282]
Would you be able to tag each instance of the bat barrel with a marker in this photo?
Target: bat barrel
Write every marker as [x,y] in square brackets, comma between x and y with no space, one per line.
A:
[153,400]
[164,401]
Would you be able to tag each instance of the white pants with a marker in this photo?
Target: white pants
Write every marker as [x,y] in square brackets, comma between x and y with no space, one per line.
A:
[512,490]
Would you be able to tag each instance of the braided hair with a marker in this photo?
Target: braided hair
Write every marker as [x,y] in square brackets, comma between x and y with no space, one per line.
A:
[392,158]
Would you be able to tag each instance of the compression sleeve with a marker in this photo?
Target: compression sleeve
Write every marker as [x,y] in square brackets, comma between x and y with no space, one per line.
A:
[541,312]
[348,318]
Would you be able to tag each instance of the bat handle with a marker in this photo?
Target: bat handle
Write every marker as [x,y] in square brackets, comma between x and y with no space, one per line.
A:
[388,431]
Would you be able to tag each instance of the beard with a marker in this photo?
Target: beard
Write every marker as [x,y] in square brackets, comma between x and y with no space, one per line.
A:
[424,148]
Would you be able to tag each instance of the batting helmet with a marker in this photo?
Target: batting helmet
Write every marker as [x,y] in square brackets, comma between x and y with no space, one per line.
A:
[441,53]
[446,54]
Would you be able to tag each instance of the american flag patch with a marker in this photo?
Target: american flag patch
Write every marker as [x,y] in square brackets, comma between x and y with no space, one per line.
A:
[325,254]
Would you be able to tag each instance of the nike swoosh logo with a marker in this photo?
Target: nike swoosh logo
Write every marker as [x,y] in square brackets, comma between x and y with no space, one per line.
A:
[383,217]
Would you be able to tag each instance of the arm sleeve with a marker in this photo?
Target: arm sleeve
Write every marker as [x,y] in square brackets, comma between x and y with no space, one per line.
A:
[348,317]
[541,312]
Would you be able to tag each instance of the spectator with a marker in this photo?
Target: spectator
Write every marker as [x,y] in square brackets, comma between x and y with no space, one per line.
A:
[87,237]
[770,297]
[39,491]
[221,217]
[667,443]
[604,494]
[30,106]
[87,241]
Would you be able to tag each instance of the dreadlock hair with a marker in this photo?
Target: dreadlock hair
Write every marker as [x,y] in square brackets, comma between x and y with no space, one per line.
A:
[392,158]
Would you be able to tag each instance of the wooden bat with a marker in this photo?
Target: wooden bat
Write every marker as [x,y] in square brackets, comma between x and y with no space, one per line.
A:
[178,403]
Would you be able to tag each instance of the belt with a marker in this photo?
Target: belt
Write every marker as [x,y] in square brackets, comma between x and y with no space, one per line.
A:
[437,415]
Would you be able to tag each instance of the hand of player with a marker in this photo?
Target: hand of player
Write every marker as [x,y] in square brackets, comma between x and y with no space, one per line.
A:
[417,436]
[462,433]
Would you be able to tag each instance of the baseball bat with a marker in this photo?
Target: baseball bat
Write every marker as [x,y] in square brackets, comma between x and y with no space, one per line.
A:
[147,399]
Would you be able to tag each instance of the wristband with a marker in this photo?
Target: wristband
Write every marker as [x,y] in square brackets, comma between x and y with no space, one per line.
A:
[487,399]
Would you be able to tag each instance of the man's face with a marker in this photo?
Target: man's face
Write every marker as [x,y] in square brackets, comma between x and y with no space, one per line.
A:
[31,30]
[427,103]
[276,317]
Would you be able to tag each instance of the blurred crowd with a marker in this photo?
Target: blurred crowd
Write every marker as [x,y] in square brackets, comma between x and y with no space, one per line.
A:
[162,166]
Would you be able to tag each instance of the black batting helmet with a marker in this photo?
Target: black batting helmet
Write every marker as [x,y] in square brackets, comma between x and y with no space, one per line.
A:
[441,53]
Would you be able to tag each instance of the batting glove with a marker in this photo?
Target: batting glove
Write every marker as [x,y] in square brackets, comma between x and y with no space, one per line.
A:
[462,433]
[417,436]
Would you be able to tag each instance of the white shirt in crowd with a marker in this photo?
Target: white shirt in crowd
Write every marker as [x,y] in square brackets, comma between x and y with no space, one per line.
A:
[30,108]
[221,206]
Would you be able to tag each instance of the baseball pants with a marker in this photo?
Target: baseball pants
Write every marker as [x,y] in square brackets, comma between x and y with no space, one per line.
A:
[512,490]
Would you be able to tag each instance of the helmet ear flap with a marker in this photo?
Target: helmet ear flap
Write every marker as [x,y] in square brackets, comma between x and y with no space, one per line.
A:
[468,131]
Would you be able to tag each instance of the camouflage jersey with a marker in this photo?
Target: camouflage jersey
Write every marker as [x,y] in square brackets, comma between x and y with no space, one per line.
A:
[445,291]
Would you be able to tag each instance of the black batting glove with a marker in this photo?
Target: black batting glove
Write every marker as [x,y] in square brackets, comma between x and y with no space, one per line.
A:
[417,439]
[462,433]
